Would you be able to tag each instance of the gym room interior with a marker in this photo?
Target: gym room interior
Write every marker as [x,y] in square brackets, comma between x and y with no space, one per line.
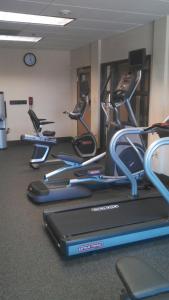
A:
[49,68]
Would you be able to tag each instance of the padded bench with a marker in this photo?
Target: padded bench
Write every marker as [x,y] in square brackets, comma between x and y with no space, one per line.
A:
[141,281]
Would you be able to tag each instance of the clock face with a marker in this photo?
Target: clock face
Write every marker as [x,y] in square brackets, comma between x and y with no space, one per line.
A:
[29,59]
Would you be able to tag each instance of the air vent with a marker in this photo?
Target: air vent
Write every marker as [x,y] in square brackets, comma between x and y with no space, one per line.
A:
[9,32]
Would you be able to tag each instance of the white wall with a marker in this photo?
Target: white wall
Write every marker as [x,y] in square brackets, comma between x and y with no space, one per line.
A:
[48,82]
[117,47]
[95,88]
[80,57]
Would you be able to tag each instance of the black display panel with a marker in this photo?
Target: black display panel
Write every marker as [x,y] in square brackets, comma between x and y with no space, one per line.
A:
[137,58]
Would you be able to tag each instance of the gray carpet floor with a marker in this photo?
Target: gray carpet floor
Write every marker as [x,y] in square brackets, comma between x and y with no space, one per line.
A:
[30,266]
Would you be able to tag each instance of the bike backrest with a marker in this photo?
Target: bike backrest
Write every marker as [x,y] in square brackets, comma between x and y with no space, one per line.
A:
[35,120]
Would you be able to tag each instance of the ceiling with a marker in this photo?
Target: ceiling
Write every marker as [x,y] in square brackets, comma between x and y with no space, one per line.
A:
[94,19]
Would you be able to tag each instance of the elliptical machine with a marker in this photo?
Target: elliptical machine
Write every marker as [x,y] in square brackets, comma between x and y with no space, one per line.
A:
[84,145]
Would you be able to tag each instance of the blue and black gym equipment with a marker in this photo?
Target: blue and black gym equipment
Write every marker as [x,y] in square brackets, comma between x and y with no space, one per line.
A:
[84,145]
[129,216]
[140,280]
[90,175]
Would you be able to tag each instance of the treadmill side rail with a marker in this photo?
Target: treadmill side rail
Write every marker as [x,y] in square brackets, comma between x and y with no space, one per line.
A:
[110,242]
[114,155]
[150,173]
[107,239]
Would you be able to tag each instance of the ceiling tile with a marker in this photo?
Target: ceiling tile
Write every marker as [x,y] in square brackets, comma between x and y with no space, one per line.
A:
[20,45]
[37,1]
[65,31]
[103,25]
[59,44]
[143,6]
[95,19]
[3,44]
[9,25]
[22,6]
[105,14]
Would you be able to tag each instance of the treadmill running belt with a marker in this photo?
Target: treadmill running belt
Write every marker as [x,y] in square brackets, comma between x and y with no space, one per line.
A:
[85,220]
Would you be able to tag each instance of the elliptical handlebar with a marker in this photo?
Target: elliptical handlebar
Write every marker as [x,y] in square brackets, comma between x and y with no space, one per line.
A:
[106,108]
[130,84]
[115,157]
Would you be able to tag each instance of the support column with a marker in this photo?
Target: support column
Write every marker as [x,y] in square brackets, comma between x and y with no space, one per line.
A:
[95,87]
[159,94]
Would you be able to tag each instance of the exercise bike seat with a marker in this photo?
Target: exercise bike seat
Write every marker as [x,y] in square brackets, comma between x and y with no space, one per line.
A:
[48,133]
[141,280]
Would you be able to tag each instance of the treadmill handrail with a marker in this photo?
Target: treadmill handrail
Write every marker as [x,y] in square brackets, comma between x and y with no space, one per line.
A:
[128,100]
[112,148]
[148,169]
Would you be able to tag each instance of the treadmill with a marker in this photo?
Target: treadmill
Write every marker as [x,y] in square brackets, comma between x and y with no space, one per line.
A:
[123,219]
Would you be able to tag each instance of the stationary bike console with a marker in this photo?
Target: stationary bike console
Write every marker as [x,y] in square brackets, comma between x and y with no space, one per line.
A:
[81,105]
[79,110]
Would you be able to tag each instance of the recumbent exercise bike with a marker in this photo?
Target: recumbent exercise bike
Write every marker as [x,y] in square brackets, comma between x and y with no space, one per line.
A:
[84,145]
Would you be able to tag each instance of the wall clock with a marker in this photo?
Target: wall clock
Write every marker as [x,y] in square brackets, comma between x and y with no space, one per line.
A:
[29,59]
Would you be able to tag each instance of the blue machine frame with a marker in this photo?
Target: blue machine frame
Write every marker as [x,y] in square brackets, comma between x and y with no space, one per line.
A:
[74,249]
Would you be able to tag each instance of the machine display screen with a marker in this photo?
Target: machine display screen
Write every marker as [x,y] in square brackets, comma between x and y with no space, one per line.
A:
[137,57]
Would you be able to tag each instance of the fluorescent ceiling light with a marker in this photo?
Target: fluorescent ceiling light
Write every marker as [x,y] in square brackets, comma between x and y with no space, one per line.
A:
[33,19]
[16,38]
